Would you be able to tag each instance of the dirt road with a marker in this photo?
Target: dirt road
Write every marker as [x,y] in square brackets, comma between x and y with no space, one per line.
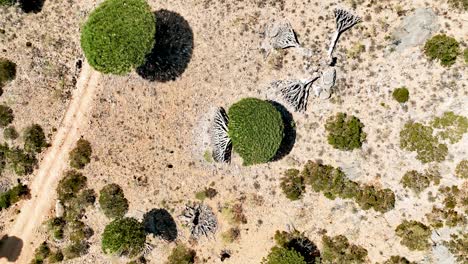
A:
[35,210]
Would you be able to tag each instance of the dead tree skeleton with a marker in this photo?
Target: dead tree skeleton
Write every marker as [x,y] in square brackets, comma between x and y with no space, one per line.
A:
[344,21]
[220,140]
[295,92]
[279,35]
[200,219]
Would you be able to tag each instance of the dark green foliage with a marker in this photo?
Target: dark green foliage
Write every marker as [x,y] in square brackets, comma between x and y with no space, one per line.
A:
[181,255]
[10,133]
[34,139]
[70,185]
[462,169]
[81,154]
[401,95]
[56,226]
[41,253]
[418,182]
[112,201]
[22,163]
[123,236]
[7,68]
[13,195]
[78,231]
[465,52]
[458,246]
[298,242]
[118,35]
[443,48]
[76,250]
[4,149]
[56,257]
[398,260]
[345,132]
[459,4]
[338,250]
[256,129]
[414,235]
[292,184]
[333,183]
[5,3]
[280,255]
[419,138]
[6,116]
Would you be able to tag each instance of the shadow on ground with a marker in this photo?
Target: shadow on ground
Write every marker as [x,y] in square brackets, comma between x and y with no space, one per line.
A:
[32,6]
[10,248]
[172,50]
[159,222]
[289,138]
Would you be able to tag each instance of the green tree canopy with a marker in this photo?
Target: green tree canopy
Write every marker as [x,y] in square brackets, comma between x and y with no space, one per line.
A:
[345,132]
[6,115]
[34,138]
[281,255]
[81,154]
[112,201]
[443,48]
[123,236]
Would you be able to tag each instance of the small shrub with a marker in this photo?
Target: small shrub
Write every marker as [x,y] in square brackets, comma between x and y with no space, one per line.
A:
[13,195]
[256,129]
[81,154]
[10,133]
[465,52]
[452,126]
[398,260]
[181,255]
[22,163]
[6,116]
[442,48]
[7,68]
[338,250]
[234,214]
[457,245]
[462,169]
[4,149]
[292,184]
[459,4]
[207,193]
[6,3]
[70,185]
[34,139]
[345,133]
[118,35]
[41,253]
[418,182]
[56,257]
[112,201]
[401,95]
[280,255]
[231,235]
[56,226]
[439,218]
[356,51]
[419,138]
[76,250]
[124,236]
[414,235]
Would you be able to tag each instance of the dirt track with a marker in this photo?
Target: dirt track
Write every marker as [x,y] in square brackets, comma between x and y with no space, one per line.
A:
[35,210]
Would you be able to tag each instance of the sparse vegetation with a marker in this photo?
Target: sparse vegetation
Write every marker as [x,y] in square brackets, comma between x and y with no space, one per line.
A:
[458,246]
[462,169]
[6,116]
[234,214]
[13,195]
[181,255]
[414,235]
[41,253]
[207,193]
[256,130]
[118,35]
[439,218]
[345,132]
[21,162]
[459,4]
[452,126]
[10,133]
[34,139]
[112,201]
[338,250]
[7,68]
[401,95]
[76,250]
[419,138]
[231,235]
[418,182]
[398,260]
[80,156]
[442,48]
[292,184]
[124,236]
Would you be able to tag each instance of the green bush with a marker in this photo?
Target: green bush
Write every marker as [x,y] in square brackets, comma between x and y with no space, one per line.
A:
[292,184]
[459,4]
[280,255]
[6,116]
[118,35]
[452,126]
[465,52]
[418,182]
[13,195]
[10,133]
[81,154]
[256,129]
[231,235]
[338,250]
[6,3]
[401,95]
[414,235]
[458,246]
[207,193]
[345,133]
[439,218]
[462,169]
[4,149]
[124,236]
[34,139]
[76,250]
[442,48]
[70,185]
[22,163]
[381,200]
[7,68]
[181,255]
[41,253]
[398,260]
[56,257]
[56,227]
[419,138]
[112,201]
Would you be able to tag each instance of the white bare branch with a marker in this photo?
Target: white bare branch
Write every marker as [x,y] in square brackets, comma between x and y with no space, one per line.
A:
[221,143]
[294,92]
[344,21]
[279,35]
[200,219]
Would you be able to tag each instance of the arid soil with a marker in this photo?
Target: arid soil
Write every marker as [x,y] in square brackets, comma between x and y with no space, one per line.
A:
[151,137]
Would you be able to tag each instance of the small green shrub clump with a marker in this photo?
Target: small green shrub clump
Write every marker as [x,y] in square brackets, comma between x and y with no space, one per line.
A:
[124,236]
[81,154]
[13,195]
[118,35]
[256,129]
[418,182]
[398,260]
[7,68]
[462,169]
[56,227]
[234,214]
[419,138]
[21,162]
[41,253]
[6,3]
[6,116]
[281,255]
[401,95]
[414,235]
[459,4]
[112,201]
[207,193]
[452,126]
[439,218]
[458,246]
[465,52]
[56,257]
[292,184]
[231,235]
[10,133]
[76,250]
[338,250]
[34,139]
[443,48]
[345,132]
[181,255]
[70,185]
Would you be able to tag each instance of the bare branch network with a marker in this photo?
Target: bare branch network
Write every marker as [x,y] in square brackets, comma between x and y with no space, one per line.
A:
[200,220]
[220,140]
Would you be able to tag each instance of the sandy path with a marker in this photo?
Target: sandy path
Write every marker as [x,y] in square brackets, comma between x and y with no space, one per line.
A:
[35,210]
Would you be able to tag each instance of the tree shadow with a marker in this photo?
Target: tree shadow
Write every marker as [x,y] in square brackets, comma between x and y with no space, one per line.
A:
[159,222]
[34,6]
[172,50]
[305,247]
[10,248]
[289,138]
